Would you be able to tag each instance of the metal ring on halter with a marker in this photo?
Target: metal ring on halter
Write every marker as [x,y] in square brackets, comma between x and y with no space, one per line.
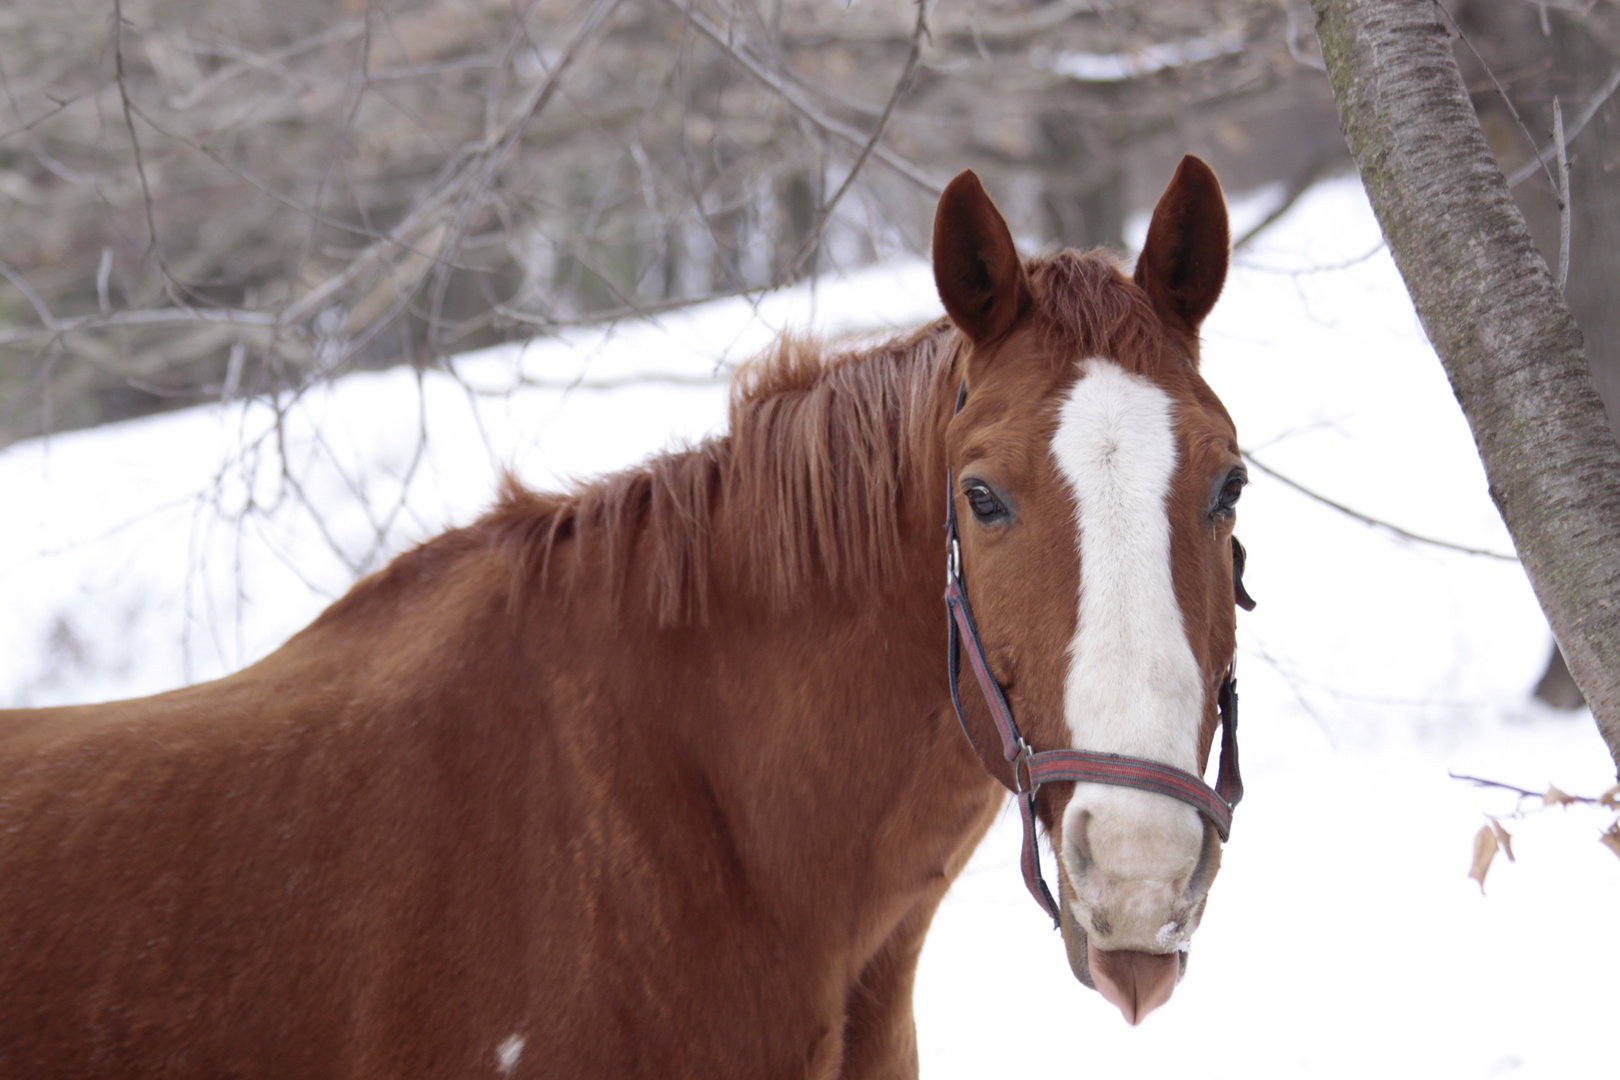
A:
[1022,757]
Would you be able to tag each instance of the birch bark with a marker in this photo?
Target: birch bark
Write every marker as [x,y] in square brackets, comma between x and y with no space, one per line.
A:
[1494,315]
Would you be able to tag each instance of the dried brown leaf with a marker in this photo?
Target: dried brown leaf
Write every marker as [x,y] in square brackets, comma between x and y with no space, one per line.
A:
[1484,852]
[1504,838]
[1611,797]
[1610,839]
[1554,797]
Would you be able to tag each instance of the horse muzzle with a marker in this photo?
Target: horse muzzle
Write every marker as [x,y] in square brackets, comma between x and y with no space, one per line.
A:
[1134,982]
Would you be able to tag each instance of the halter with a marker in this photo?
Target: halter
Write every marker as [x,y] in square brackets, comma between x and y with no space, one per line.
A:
[1031,769]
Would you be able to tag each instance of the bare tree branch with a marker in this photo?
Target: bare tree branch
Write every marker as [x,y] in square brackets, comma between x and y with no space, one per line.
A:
[1405,534]
[151,318]
[1302,182]
[473,173]
[1524,793]
[1582,118]
[901,84]
[155,246]
[1563,195]
[793,98]
[385,180]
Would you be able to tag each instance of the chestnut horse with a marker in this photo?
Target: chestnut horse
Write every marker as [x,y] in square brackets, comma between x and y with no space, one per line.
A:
[662,776]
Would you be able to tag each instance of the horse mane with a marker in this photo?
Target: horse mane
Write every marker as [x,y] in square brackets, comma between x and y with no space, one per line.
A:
[811,473]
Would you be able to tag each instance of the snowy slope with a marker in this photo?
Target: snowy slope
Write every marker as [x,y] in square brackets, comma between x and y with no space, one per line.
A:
[1342,937]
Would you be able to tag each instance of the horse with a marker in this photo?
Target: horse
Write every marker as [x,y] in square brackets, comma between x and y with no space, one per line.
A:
[662,775]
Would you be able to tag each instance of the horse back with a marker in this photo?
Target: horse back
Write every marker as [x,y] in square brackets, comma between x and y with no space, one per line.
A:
[434,827]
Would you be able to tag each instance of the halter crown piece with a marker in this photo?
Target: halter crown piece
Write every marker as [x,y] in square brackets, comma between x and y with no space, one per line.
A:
[1029,769]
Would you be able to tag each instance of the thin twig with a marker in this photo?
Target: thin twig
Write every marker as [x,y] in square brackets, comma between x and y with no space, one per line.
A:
[471,173]
[1525,793]
[154,317]
[35,301]
[246,61]
[135,143]
[1572,8]
[311,211]
[1316,268]
[57,106]
[797,102]
[1481,782]
[619,382]
[1563,194]
[901,84]
[1301,183]
[1298,23]
[1405,534]
[1514,112]
[1582,118]
[1008,27]
[445,256]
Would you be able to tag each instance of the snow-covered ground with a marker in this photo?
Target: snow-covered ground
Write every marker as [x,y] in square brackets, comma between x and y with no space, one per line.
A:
[1342,939]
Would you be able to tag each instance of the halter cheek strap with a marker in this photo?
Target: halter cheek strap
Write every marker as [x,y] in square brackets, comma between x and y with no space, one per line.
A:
[1029,769]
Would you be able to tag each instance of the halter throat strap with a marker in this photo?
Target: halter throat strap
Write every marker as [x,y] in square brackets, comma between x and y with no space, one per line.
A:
[1029,769]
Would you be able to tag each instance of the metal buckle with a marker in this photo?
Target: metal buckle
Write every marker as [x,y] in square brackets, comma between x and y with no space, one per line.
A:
[953,561]
[1022,759]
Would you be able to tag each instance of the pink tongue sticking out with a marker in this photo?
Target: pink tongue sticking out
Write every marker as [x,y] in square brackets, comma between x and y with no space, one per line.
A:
[1137,982]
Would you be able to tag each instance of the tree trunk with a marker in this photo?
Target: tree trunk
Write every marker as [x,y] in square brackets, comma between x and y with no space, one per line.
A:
[1568,56]
[1508,342]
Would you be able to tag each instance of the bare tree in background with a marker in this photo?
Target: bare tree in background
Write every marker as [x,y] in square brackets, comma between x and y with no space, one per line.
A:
[208,200]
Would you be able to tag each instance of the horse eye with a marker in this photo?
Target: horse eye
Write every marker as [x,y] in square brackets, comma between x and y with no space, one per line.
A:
[1230,493]
[983,502]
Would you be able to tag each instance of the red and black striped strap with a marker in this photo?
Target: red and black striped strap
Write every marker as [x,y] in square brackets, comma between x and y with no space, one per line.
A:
[1086,766]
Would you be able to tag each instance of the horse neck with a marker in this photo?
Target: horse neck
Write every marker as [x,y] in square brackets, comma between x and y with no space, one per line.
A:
[848,747]
[754,628]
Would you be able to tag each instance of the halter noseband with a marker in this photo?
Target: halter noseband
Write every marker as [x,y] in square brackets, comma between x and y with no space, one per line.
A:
[1031,769]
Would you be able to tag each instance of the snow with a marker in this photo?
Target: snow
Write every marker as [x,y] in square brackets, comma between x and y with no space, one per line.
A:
[1343,937]
[1120,66]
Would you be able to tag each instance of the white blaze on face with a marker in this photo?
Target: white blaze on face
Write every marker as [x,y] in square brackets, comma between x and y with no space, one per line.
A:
[1133,685]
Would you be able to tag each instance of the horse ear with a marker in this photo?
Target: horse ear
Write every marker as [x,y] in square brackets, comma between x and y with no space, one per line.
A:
[976,267]
[1183,263]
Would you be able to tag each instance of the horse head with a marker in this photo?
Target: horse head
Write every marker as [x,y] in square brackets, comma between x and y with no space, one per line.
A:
[1094,478]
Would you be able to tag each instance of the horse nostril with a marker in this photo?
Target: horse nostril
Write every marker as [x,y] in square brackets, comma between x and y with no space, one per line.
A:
[1079,843]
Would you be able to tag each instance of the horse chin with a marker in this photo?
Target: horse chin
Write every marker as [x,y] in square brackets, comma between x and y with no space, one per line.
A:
[1135,983]
[1076,944]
